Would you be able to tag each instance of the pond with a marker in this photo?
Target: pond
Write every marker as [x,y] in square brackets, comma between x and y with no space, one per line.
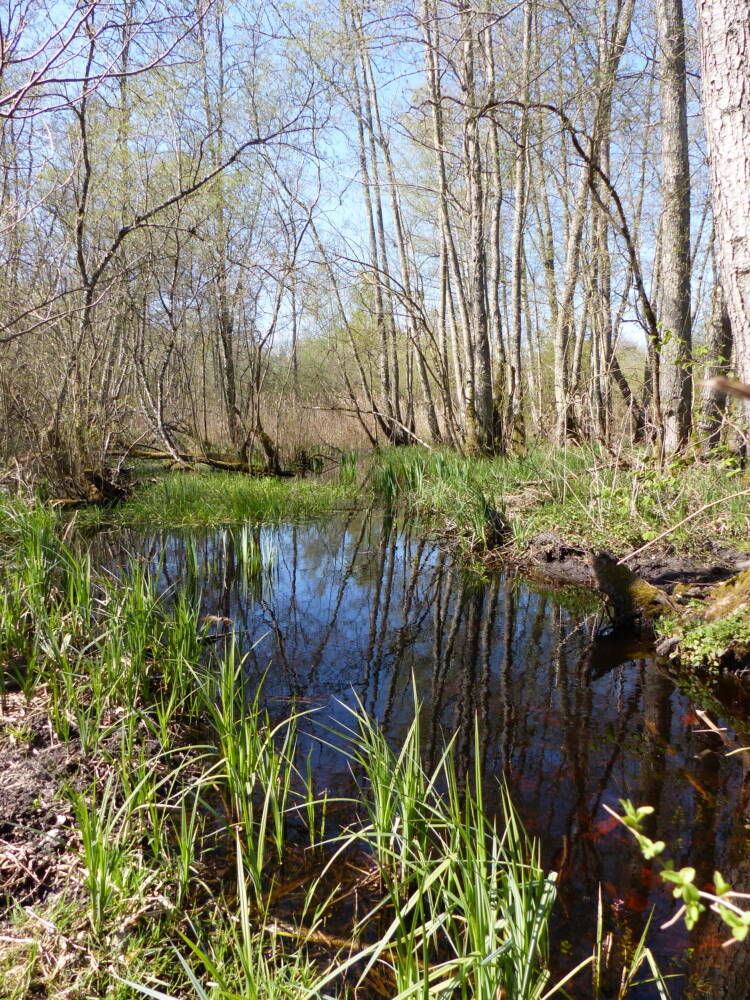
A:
[357,608]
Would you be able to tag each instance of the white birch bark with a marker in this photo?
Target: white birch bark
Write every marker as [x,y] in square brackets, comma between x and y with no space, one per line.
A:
[480,410]
[725,69]
[519,220]
[430,28]
[618,37]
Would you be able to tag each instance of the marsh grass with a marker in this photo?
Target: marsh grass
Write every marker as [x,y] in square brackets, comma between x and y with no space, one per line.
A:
[179,767]
[468,899]
[348,465]
[585,496]
[255,764]
[588,496]
[214,499]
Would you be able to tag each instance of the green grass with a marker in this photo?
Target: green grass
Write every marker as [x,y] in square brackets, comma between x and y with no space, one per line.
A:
[583,496]
[587,497]
[216,498]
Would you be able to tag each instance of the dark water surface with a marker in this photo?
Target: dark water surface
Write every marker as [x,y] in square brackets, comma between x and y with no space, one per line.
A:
[354,606]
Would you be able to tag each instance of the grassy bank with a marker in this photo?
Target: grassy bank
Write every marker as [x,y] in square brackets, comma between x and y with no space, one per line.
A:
[171,841]
[210,499]
[586,499]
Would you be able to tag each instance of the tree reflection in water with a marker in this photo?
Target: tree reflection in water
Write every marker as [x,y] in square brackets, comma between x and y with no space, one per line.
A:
[354,606]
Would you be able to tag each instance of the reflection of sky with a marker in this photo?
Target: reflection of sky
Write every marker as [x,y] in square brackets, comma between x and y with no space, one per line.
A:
[352,608]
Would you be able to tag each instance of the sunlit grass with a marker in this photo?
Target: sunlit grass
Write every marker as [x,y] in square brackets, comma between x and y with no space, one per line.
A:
[212,499]
[586,497]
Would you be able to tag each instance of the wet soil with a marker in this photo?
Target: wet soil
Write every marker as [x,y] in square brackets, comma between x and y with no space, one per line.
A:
[549,558]
[39,837]
[37,827]
[688,586]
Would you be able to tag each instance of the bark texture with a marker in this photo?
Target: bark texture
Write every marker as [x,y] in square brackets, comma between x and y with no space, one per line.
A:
[724,27]
[718,350]
[676,389]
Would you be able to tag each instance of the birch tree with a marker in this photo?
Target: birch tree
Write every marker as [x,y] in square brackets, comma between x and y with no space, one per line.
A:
[725,81]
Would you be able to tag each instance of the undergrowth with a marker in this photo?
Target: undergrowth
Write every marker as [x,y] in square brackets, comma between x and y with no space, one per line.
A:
[706,643]
[585,497]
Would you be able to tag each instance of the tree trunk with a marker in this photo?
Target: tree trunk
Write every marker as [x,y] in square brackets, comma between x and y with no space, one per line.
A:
[495,283]
[725,70]
[676,388]
[409,304]
[430,26]
[377,274]
[718,351]
[480,409]
[563,411]
[519,220]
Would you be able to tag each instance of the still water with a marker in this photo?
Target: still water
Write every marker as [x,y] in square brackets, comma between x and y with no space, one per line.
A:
[356,606]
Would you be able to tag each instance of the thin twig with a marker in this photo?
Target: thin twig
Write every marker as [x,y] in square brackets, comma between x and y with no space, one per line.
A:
[372,413]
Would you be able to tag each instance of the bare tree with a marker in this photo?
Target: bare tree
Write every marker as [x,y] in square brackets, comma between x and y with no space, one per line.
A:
[676,389]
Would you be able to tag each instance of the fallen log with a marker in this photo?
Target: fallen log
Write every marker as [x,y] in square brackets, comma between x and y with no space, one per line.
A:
[93,487]
[221,464]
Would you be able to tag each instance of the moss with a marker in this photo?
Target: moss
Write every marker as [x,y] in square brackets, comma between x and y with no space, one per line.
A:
[717,632]
[630,598]
[730,598]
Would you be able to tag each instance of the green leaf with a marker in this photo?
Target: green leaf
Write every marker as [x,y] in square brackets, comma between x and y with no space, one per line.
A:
[740,923]
[692,912]
[651,848]
[634,815]
[720,886]
[690,893]
[681,878]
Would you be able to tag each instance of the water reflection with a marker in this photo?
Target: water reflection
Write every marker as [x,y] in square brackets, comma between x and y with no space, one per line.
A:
[353,608]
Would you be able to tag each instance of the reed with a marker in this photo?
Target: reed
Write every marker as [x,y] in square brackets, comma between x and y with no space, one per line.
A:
[215,499]
[348,469]
[470,904]
[586,496]
[255,763]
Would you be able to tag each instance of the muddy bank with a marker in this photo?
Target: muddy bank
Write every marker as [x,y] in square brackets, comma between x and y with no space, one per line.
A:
[550,558]
[40,840]
[695,606]
[37,831]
